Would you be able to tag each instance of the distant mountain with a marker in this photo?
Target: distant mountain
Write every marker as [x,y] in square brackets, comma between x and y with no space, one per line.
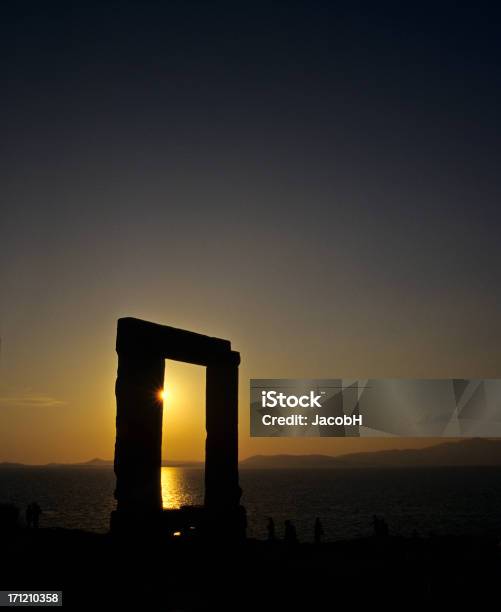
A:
[470,452]
[104,463]
[96,462]
[290,461]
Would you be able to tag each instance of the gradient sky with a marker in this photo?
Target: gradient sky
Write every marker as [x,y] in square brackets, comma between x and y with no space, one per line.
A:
[317,183]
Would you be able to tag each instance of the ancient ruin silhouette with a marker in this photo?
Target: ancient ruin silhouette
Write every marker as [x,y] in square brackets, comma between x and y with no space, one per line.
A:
[142,348]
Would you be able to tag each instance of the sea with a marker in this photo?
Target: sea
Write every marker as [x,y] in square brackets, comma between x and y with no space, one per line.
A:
[439,501]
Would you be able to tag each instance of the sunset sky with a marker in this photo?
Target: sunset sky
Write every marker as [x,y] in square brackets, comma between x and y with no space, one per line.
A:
[319,185]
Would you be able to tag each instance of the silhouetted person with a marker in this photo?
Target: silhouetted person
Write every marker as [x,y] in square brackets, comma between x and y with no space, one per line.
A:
[318,531]
[29,515]
[270,527]
[36,511]
[290,535]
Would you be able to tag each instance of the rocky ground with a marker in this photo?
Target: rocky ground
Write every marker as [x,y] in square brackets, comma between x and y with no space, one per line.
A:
[192,575]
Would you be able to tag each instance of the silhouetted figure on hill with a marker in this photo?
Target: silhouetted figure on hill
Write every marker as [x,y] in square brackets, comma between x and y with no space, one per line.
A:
[318,531]
[270,527]
[33,512]
[29,516]
[290,535]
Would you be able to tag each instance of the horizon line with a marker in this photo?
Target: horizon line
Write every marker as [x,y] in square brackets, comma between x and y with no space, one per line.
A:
[202,461]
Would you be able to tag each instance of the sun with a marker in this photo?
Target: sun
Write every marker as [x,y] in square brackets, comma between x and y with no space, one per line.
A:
[162,395]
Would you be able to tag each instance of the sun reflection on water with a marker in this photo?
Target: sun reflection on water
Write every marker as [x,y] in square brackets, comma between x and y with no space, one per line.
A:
[177,491]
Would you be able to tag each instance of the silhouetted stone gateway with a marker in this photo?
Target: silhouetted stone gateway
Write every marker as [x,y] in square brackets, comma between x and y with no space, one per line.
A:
[142,348]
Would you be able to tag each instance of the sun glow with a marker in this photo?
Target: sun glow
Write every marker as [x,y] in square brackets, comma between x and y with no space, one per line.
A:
[162,395]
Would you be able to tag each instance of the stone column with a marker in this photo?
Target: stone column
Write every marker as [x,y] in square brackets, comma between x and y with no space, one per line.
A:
[138,447]
[222,490]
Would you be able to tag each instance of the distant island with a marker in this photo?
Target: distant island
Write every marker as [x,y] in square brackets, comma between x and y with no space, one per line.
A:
[96,462]
[470,452]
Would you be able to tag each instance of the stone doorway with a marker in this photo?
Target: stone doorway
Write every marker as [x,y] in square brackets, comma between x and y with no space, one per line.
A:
[142,348]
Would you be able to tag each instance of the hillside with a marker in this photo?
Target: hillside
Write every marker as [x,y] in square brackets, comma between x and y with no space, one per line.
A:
[465,452]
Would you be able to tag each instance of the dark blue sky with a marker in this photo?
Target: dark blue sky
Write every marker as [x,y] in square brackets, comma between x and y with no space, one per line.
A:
[317,181]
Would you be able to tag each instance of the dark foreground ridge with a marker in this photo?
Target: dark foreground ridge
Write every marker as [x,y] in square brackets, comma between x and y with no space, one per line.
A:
[252,575]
